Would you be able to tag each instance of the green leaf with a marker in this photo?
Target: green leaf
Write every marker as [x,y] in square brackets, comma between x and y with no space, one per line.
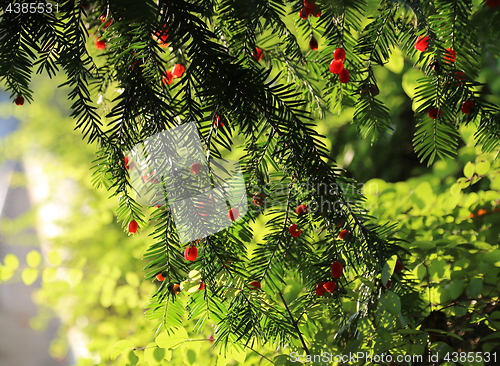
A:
[172,337]
[456,288]
[409,331]
[54,258]
[417,349]
[33,258]
[475,287]
[388,269]
[120,347]
[490,336]
[492,257]
[153,354]
[29,275]
[131,359]
[49,274]
[393,303]
[195,275]
[483,167]
[189,351]
[469,170]
[444,332]
[11,261]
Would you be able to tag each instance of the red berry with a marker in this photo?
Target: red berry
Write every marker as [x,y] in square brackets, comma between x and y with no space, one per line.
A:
[388,284]
[336,66]
[19,100]
[434,113]
[126,162]
[162,35]
[233,213]
[330,286]
[466,106]
[313,44]
[337,269]
[218,122]
[399,266]
[103,19]
[493,3]
[317,12]
[460,77]
[210,338]
[344,76]
[168,78]
[100,44]
[342,234]
[202,286]
[191,253]
[257,54]
[301,209]
[293,231]
[133,226]
[450,55]
[258,199]
[176,288]
[195,168]
[254,285]
[339,54]
[160,277]
[177,71]
[421,43]
[320,290]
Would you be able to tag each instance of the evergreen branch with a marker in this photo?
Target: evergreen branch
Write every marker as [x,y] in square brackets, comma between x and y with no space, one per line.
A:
[294,322]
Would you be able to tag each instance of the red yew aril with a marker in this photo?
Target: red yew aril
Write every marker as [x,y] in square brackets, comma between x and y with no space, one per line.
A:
[422,43]
[103,20]
[126,162]
[293,231]
[254,285]
[177,71]
[460,77]
[399,266]
[336,66]
[258,199]
[160,277]
[19,100]
[467,106]
[168,78]
[176,289]
[313,43]
[100,44]
[233,214]
[339,222]
[303,14]
[493,3]
[339,54]
[342,234]
[434,113]
[195,168]
[320,290]
[133,226]
[257,54]
[344,76]
[202,286]
[301,209]
[450,55]
[191,253]
[337,268]
[330,286]
[317,12]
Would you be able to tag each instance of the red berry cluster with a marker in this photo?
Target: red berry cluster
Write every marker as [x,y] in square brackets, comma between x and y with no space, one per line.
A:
[175,73]
[337,66]
[257,54]
[337,269]
[310,7]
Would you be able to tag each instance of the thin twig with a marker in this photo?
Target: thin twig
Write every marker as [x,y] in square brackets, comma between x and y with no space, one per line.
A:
[295,325]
